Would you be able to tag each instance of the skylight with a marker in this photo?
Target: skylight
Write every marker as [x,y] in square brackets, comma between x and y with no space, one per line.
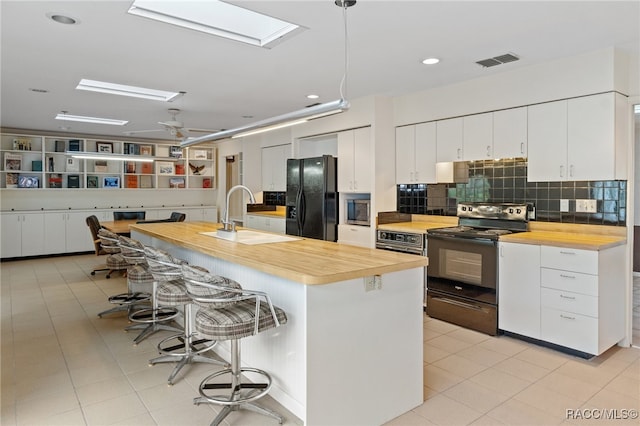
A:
[218,18]
[123,90]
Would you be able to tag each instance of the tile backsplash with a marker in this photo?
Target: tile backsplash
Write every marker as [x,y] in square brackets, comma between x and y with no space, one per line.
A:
[506,181]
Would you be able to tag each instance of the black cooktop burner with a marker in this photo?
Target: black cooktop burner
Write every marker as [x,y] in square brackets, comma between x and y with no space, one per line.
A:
[469,232]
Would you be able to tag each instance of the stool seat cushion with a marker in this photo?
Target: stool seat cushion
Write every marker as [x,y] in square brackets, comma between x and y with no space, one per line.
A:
[236,321]
[116,261]
[139,274]
[205,296]
[171,293]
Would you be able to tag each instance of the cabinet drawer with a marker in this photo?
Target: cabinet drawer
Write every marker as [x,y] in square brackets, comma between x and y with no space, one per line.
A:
[574,282]
[570,302]
[574,331]
[585,261]
[355,235]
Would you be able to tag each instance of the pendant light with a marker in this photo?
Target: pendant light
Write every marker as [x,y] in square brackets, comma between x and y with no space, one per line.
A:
[295,117]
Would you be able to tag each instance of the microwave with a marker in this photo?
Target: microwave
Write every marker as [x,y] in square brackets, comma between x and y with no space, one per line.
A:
[358,212]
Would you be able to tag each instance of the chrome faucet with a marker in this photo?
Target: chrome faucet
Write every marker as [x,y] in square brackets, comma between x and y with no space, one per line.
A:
[230,226]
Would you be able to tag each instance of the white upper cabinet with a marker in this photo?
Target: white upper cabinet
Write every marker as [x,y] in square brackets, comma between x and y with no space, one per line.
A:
[574,139]
[355,169]
[478,137]
[510,133]
[591,137]
[274,167]
[416,153]
[449,140]
[547,135]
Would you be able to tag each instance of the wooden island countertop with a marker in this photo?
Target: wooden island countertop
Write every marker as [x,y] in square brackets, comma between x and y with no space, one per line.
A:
[305,261]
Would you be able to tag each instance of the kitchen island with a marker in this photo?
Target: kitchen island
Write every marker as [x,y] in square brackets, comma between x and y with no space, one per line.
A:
[351,351]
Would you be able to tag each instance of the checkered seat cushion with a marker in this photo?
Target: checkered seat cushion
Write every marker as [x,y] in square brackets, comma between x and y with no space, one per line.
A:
[236,321]
[132,250]
[172,293]
[215,297]
[108,241]
[139,274]
[116,262]
[162,265]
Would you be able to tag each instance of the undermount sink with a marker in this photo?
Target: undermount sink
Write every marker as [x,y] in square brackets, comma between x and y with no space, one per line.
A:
[249,237]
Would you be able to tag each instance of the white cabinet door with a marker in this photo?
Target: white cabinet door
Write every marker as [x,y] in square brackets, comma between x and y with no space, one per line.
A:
[193,214]
[274,167]
[547,136]
[510,133]
[78,235]
[355,235]
[355,169]
[519,289]
[362,155]
[449,139]
[416,153]
[425,153]
[478,137]
[591,138]
[11,238]
[55,232]
[405,154]
[32,234]
[346,152]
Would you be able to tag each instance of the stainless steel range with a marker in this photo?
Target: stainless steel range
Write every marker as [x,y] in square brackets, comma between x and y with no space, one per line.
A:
[462,277]
[404,242]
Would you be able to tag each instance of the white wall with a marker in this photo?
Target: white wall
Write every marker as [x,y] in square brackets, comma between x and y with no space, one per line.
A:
[594,72]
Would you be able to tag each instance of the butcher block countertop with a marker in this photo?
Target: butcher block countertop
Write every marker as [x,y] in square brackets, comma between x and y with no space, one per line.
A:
[306,261]
[420,224]
[586,237]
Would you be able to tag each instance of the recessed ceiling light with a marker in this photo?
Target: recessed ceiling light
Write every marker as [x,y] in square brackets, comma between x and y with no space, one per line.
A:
[62,19]
[124,90]
[431,61]
[32,89]
[218,18]
[247,116]
[313,96]
[95,120]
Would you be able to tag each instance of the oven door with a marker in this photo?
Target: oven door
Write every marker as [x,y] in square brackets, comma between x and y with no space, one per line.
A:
[465,260]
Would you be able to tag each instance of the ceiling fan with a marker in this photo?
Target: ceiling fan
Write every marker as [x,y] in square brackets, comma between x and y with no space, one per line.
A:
[173,126]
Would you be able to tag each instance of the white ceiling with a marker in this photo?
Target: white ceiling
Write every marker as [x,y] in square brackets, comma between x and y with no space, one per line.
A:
[227,80]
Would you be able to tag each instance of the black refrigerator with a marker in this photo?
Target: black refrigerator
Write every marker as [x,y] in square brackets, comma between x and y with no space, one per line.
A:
[312,198]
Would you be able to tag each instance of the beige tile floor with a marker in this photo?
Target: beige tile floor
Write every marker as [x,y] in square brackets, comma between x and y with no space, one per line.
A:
[62,365]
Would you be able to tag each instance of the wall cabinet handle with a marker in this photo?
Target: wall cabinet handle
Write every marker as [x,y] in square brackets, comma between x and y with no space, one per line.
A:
[571,170]
[459,153]
[488,150]
[567,252]
[571,277]
[521,147]
[561,171]
[567,318]
[562,296]
[417,178]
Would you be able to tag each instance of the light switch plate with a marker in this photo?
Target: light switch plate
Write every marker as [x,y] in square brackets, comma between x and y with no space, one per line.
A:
[564,205]
[586,206]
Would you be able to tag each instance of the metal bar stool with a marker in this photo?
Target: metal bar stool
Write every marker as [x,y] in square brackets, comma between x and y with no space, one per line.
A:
[182,348]
[116,262]
[231,314]
[157,317]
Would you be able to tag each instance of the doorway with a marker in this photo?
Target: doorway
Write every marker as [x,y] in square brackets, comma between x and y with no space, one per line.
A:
[233,178]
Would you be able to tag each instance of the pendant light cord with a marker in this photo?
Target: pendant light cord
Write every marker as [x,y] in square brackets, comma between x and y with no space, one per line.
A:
[343,83]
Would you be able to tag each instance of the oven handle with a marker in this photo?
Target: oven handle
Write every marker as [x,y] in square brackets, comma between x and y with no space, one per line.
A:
[458,303]
[487,241]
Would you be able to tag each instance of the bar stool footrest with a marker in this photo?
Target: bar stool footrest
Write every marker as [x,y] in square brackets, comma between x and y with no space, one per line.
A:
[235,396]
[129,298]
[195,347]
[151,315]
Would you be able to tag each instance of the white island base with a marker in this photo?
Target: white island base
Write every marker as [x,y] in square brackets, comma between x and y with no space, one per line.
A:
[346,356]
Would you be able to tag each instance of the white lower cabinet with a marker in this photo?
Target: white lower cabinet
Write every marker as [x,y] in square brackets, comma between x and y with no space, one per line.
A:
[519,289]
[569,297]
[22,234]
[198,214]
[265,223]
[66,232]
[355,235]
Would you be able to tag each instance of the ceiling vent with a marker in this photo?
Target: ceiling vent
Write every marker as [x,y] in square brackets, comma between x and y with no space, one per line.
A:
[497,60]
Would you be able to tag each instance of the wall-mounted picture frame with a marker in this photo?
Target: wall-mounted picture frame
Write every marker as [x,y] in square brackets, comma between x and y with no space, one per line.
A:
[110,182]
[199,154]
[106,147]
[92,181]
[146,150]
[165,167]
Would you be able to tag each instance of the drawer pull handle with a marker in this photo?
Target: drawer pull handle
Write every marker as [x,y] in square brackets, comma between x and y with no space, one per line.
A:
[572,277]
[567,318]
[562,296]
[567,252]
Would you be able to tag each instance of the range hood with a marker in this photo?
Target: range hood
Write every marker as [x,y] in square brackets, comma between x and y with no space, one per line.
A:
[452,172]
